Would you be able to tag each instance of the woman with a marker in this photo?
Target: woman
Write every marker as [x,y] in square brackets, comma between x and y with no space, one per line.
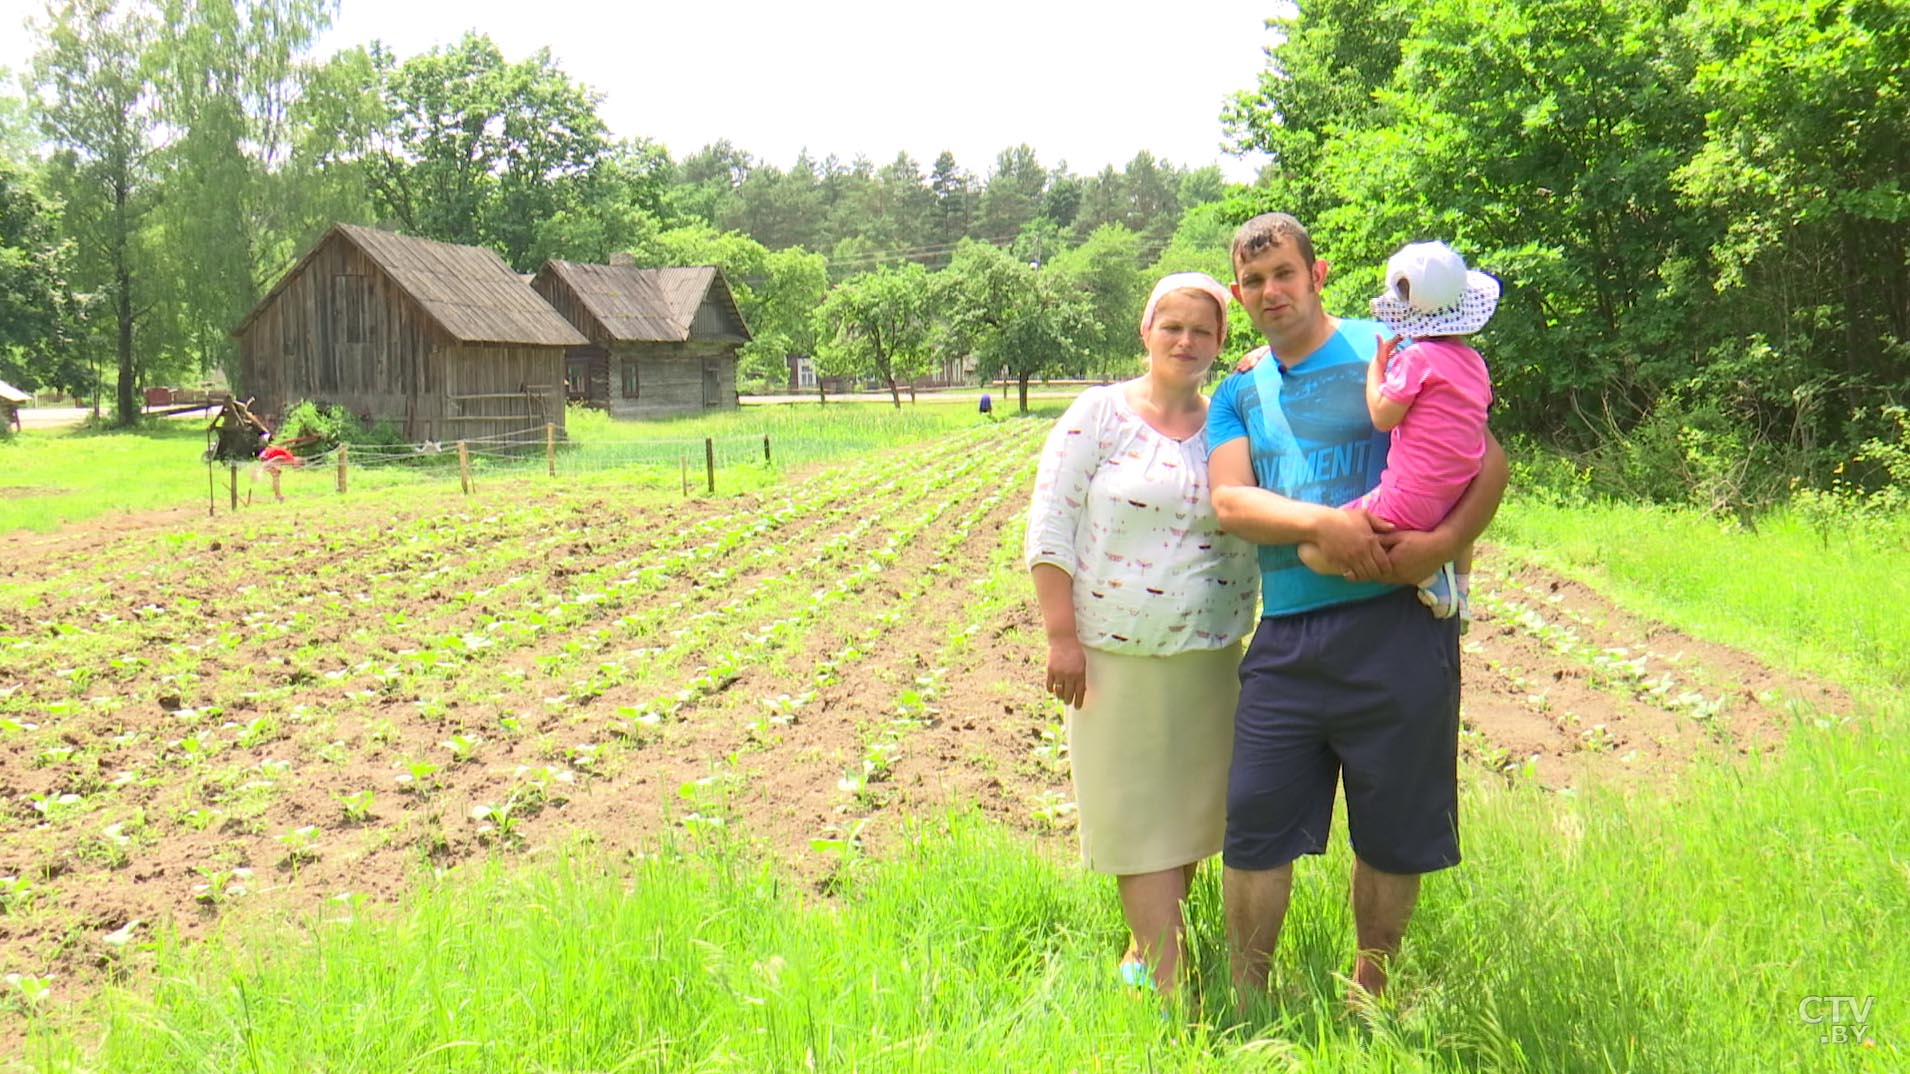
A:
[1145,602]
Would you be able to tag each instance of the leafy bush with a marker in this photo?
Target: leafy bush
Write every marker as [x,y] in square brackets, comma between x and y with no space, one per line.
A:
[335,425]
[1869,500]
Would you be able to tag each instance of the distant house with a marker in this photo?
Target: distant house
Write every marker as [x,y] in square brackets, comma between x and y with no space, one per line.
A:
[443,341]
[803,377]
[11,400]
[660,341]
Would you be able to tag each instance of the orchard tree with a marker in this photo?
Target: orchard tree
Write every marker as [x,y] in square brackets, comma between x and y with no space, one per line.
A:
[1107,271]
[877,324]
[1015,319]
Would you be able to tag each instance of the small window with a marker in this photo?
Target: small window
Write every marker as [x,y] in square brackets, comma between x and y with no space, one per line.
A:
[630,378]
[805,373]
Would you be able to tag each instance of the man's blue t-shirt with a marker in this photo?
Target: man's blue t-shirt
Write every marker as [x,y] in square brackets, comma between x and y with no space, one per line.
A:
[1311,439]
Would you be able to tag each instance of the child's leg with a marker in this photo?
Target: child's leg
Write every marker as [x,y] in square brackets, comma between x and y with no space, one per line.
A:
[1462,575]
[1314,559]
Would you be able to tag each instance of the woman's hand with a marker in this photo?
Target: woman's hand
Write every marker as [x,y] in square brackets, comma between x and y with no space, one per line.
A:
[1067,671]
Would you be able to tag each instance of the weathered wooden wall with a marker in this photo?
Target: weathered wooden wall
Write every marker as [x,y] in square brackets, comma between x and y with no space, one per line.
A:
[342,333]
[674,378]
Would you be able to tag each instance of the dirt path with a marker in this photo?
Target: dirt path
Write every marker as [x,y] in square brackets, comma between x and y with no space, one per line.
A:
[813,666]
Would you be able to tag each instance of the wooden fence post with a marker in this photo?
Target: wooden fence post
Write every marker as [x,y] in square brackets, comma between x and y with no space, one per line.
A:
[212,493]
[550,446]
[684,458]
[342,450]
[765,449]
[464,467]
[234,471]
[709,461]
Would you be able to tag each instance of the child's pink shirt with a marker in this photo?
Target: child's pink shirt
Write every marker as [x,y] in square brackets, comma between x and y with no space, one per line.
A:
[1436,448]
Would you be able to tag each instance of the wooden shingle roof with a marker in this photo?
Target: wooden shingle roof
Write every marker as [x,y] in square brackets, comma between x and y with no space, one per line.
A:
[468,290]
[648,305]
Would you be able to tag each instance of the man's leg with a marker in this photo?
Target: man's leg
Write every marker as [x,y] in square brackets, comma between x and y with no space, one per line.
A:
[1382,906]
[1400,767]
[1255,901]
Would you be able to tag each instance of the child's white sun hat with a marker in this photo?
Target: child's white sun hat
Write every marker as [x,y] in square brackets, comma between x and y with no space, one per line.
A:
[1430,292]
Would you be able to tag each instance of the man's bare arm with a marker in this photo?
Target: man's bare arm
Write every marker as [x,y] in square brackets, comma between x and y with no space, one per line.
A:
[1255,514]
[1413,556]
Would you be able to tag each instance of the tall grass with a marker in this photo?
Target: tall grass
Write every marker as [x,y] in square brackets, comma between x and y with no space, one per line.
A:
[1589,934]
[1838,605]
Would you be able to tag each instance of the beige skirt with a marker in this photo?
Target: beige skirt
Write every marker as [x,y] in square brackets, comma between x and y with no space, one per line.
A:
[1150,748]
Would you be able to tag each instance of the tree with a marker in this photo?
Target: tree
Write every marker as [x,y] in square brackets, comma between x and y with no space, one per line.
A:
[97,111]
[877,324]
[1107,271]
[954,207]
[1802,159]
[478,150]
[1013,195]
[1015,319]
[37,309]
[781,209]
[18,136]
[227,75]
[703,185]
[777,291]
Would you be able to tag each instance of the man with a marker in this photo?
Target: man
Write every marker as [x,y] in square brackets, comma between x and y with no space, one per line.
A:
[1348,676]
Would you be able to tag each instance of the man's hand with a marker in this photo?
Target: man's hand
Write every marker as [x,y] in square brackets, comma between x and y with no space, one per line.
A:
[1252,358]
[1349,542]
[1413,555]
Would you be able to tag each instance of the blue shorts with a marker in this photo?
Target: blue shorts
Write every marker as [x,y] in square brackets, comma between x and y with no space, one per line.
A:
[1366,693]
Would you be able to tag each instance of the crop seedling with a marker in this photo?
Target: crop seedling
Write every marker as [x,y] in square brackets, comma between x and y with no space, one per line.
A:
[16,894]
[463,748]
[32,989]
[57,807]
[357,805]
[220,884]
[1054,809]
[419,777]
[301,844]
[258,731]
[498,820]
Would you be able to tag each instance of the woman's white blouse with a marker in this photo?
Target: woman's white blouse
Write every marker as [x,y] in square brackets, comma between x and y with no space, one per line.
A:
[1127,513]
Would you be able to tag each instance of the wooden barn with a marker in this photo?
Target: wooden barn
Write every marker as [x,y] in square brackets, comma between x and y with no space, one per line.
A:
[443,341]
[661,341]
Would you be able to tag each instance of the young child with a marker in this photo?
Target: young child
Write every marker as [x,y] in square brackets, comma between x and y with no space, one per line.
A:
[1431,394]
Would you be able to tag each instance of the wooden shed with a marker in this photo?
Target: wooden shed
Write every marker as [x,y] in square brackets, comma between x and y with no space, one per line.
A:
[443,341]
[661,341]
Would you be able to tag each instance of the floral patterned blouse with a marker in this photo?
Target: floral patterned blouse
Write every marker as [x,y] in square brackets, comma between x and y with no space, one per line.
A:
[1126,511]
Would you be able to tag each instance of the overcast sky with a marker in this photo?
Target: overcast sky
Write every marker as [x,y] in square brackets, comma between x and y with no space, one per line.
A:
[1086,83]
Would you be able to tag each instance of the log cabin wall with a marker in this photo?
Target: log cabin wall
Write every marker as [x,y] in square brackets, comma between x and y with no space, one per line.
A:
[342,333]
[672,379]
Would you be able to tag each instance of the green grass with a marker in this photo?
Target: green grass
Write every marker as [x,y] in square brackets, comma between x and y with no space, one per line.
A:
[1838,607]
[60,477]
[56,477]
